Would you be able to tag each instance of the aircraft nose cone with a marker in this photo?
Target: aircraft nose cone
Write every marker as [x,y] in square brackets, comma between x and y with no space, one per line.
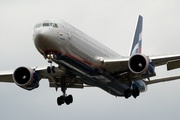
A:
[43,40]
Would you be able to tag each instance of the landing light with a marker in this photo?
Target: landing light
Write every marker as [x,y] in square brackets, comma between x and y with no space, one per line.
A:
[101,59]
[52,56]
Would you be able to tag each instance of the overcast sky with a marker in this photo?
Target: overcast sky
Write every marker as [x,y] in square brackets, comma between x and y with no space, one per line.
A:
[112,22]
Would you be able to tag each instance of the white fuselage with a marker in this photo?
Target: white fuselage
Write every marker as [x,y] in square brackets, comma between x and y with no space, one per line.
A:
[80,51]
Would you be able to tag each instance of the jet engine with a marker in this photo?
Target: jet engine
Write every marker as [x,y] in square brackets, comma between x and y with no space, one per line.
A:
[141,65]
[140,84]
[26,78]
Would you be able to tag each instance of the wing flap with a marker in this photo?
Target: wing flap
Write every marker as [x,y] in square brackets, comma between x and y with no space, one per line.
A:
[174,64]
[162,80]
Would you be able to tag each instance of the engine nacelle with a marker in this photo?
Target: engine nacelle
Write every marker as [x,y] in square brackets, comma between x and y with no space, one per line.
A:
[26,78]
[142,87]
[141,65]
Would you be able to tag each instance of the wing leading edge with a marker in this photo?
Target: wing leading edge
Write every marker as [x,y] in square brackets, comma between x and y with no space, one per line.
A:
[54,78]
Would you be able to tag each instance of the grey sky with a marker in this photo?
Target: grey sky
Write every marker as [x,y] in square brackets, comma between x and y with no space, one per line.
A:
[113,24]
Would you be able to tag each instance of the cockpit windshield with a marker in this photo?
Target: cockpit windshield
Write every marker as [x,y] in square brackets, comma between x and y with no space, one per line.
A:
[38,25]
[46,25]
[55,25]
[51,24]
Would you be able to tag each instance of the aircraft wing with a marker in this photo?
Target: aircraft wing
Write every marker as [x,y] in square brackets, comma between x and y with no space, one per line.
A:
[116,64]
[54,78]
[119,65]
[6,76]
[172,60]
[162,80]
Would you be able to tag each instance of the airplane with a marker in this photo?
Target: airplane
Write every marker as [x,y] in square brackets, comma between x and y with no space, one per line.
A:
[76,60]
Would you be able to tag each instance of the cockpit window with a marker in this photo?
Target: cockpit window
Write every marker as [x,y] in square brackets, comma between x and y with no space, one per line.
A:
[51,24]
[38,25]
[55,25]
[45,24]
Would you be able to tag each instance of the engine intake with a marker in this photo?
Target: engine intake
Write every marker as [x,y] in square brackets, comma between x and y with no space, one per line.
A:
[26,78]
[141,65]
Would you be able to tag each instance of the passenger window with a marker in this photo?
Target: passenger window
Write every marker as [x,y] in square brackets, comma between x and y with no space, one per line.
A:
[45,24]
[55,25]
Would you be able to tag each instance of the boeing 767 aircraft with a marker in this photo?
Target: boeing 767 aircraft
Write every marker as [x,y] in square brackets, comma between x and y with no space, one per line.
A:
[81,61]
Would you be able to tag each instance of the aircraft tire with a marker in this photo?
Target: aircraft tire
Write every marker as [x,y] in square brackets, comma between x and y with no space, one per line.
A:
[127,93]
[53,69]
[48,69]
[69,99]
[136,92]
[60,100]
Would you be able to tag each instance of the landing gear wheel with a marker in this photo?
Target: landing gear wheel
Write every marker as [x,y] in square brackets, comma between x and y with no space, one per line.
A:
[136,92]
[60,100]
[53,69]
[48,69]
[69,99]
[127,93]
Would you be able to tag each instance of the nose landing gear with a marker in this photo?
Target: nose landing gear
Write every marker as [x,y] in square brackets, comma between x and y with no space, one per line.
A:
[50,56]
[51,69]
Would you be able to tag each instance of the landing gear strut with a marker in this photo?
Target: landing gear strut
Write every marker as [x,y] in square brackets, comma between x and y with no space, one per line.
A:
[50,56]
[64,98]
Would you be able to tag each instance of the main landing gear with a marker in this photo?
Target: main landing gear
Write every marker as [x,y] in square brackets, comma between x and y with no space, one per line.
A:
[64,98]
[135,93]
